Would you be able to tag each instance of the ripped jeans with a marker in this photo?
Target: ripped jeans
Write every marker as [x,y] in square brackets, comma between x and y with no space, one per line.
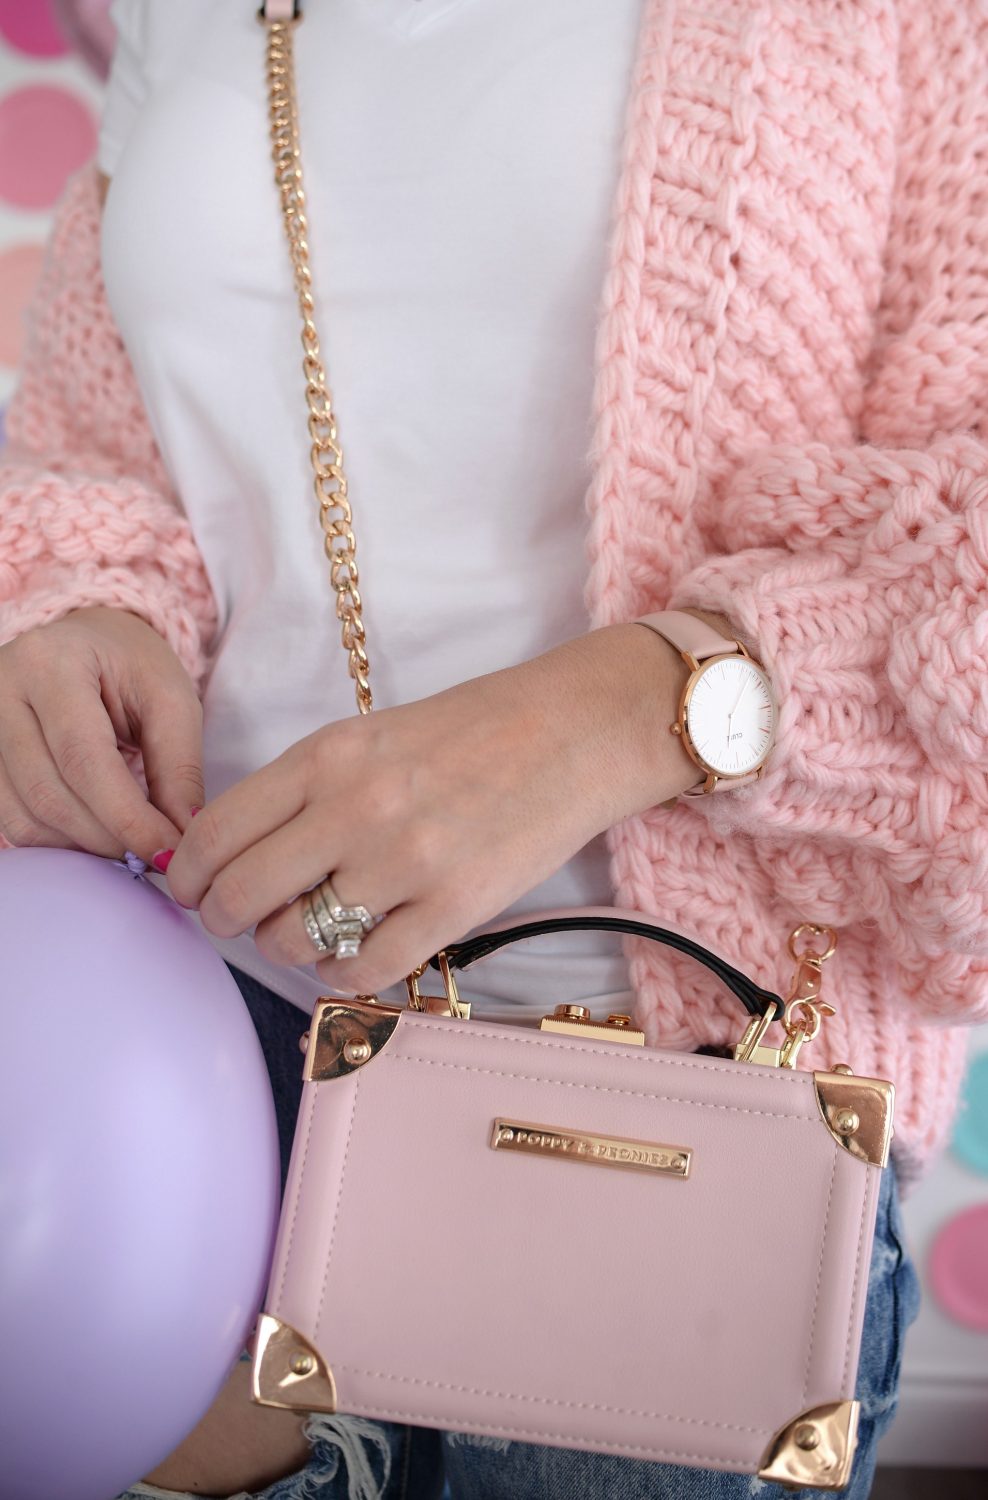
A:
[356,1459]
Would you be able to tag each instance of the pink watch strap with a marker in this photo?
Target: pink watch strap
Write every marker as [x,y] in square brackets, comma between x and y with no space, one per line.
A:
[687,633]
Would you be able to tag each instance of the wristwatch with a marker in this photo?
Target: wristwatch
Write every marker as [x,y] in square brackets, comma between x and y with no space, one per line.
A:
[727,712]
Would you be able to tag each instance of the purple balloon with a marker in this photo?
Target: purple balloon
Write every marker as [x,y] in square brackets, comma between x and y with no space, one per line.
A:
[139,1176]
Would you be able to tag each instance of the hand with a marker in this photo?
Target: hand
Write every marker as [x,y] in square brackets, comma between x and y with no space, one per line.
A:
[73,692]
[443,812]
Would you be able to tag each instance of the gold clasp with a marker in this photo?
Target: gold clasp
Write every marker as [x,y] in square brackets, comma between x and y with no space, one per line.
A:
[751,1048]
[449,1004]
[804,993]
[576,1020]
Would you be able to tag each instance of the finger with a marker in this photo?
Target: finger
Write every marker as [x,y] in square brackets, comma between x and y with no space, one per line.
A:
[18,826]
[83,745]
[38,784]
[171,748]
[283,936]
[231,824]
[406,937]
[262,881]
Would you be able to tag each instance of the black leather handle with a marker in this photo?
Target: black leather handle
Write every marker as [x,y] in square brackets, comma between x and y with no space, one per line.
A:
[754,999]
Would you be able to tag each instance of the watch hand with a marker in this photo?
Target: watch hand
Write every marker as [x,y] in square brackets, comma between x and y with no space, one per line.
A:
[747,684]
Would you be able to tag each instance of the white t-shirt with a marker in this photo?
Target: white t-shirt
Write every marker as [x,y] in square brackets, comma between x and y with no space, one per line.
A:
[461,159]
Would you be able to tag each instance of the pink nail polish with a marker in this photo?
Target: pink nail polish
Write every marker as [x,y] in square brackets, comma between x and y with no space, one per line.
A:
[193,811]
[162,859]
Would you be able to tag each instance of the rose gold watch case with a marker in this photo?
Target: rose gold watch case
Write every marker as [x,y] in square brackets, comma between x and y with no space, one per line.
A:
[682,726]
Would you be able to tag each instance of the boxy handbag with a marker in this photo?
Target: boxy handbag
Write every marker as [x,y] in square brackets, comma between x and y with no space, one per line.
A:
[464,1196]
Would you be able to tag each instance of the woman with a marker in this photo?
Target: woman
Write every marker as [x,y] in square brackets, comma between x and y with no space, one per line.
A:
[786,209]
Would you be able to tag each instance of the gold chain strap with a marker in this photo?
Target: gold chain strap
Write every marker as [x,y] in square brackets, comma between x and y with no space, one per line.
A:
[336,517]
[329,480]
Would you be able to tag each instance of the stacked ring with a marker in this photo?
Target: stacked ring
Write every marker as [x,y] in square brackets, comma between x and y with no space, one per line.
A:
[333,927]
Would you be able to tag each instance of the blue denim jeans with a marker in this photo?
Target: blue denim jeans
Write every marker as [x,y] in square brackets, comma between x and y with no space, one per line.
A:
[355,1459]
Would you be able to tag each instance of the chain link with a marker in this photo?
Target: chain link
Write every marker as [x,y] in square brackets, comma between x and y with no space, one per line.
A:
[329,479]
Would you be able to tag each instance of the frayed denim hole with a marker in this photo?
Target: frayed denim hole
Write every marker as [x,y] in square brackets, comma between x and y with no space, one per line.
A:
[350,1438]
[477,1440]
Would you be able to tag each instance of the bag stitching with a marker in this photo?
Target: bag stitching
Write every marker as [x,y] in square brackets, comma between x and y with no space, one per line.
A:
[339,1200]
[819,1275]
[855,1291]
[536,1400]
[567,1438]
[625,1411]
[298,1194]
[641,1058]
[599,1088]
[514,1396]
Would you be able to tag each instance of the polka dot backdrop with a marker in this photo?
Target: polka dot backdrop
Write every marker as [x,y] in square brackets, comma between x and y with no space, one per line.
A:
[53,58]
[958,1267]
[46,133]
[31,27]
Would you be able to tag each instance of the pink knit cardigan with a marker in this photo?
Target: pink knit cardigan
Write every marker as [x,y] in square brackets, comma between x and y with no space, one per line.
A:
[792,373]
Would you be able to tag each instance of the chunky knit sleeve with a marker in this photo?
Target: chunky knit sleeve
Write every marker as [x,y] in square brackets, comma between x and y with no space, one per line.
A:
[87,512]
[861,572]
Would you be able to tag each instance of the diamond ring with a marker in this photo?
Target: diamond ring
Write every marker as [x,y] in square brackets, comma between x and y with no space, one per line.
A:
[333,927]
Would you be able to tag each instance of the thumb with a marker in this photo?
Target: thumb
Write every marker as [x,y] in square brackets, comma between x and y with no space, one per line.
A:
[171,747]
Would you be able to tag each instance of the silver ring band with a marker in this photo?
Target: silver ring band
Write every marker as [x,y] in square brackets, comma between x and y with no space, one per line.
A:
[312,928]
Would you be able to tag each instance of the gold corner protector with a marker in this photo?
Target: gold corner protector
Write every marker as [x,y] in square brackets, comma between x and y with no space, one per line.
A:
[815,1449]
[858,1113]
[346,1035]
[288,1371]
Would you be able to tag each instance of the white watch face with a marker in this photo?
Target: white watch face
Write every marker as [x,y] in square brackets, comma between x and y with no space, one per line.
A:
[731,715]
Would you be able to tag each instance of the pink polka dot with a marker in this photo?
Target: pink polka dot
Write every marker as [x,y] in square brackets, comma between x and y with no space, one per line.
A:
[959,1267]
[30,26]
[19,268]
[46,133]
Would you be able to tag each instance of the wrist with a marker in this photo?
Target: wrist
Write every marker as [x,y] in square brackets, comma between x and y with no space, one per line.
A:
[618,712]
[651,682]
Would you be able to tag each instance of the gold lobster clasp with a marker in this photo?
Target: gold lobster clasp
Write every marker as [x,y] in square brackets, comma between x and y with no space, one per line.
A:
[803,997]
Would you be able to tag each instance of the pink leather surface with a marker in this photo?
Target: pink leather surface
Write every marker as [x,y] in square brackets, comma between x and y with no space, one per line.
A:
[687,633]
[455,1286]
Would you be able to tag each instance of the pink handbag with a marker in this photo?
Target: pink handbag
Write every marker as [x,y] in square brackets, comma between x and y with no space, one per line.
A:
[441,1261]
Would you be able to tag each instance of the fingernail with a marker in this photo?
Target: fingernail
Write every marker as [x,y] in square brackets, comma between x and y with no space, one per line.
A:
[162,859]
[193,811]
